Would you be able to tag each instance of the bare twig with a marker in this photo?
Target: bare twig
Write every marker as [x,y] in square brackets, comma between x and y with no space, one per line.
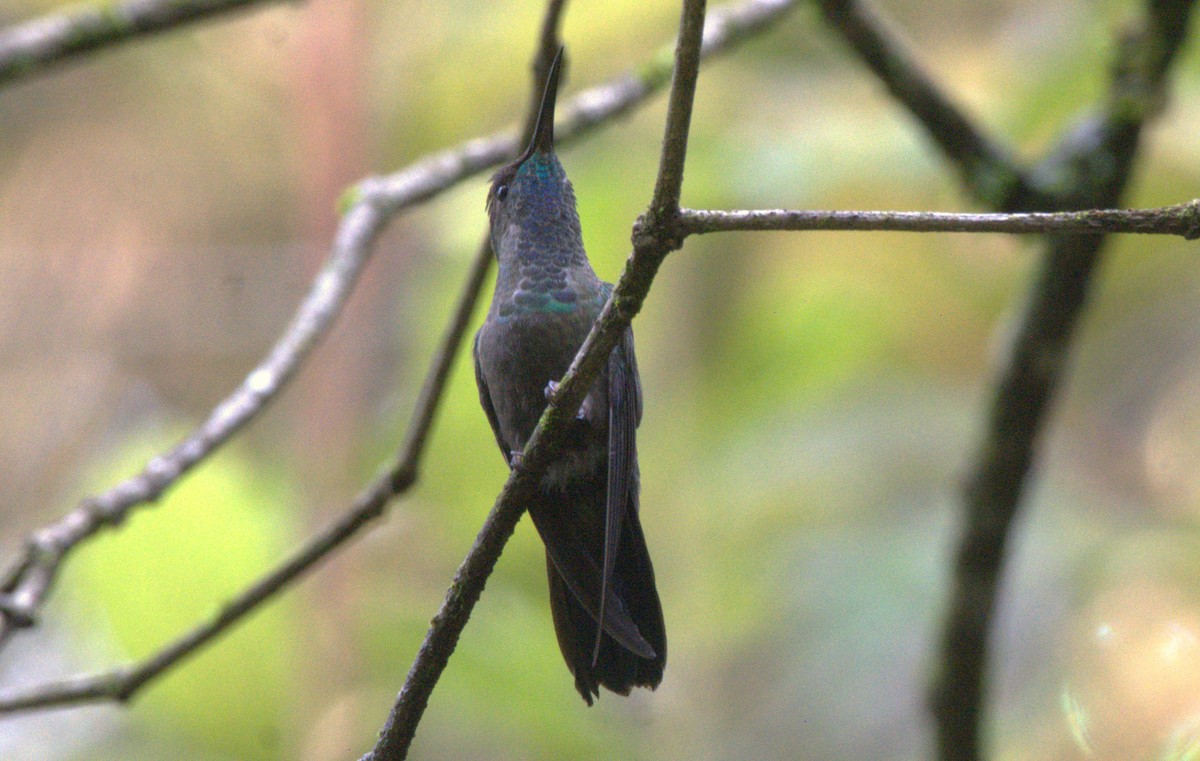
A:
[650,247]
[36,46]
[987,168]
[26,583]
[1096,160]
[122,684]
[679,111]
[1180,219]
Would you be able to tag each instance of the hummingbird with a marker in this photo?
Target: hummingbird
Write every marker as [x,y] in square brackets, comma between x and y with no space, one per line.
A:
[603,600]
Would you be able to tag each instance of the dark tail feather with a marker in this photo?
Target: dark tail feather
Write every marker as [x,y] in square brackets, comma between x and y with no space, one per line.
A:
[616,668]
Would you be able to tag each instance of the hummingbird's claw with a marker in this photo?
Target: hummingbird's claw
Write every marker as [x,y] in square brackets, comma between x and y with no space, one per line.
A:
[584,409]
[515,459]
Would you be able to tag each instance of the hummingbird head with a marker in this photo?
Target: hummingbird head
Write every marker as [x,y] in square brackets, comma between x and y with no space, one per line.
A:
[531,204]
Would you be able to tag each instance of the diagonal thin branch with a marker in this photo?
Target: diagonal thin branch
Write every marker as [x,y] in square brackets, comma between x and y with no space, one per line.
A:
[669,184]
[1180,219]
[651,245]
[25,584]
[1096,159]
[123,683]
[987,168]
[37,46]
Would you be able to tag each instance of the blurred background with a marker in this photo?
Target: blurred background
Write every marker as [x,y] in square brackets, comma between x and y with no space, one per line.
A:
[812,400]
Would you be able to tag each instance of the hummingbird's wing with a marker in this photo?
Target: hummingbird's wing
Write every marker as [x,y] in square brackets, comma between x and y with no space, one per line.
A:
[570,539]
[624,414]
[565,545]
[614,553]
[485,400]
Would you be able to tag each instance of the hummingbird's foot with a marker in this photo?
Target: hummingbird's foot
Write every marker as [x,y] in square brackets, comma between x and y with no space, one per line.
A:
[584,409]
[515,459]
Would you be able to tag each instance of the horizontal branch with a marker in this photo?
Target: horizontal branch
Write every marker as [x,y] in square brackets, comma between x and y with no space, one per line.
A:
[37,45]
[1181,219]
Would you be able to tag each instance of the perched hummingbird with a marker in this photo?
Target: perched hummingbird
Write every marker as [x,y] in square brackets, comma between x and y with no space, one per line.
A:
[586,505]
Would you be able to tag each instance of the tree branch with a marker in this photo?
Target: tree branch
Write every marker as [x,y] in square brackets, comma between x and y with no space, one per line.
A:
[987,168]
[679,111]
[1094,165]
[1181,219]
[26,583]
[38,45]
[121,684]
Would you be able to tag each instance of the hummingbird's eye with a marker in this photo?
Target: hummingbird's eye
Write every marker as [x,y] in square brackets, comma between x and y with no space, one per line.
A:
[501,192]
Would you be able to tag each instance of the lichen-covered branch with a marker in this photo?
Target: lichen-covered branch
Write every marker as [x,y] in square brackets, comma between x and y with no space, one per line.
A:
[1181,219]
[123,683]
[669,184]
